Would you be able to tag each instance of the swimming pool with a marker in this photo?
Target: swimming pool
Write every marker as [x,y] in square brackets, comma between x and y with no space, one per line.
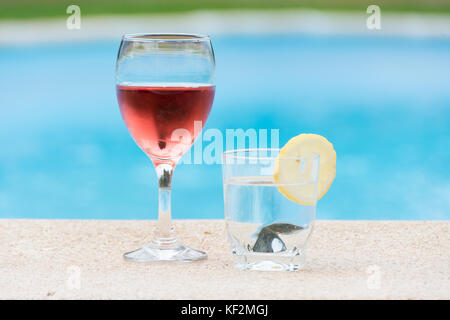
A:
[384,102]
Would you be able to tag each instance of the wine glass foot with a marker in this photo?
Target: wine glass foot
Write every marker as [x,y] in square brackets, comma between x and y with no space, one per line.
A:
[179,253]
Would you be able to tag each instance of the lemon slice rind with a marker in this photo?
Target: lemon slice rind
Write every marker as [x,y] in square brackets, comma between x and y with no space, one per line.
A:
[304,145]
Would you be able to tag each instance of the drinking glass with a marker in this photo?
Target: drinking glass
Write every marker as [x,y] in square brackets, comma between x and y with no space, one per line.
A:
[165,89]
[269,222]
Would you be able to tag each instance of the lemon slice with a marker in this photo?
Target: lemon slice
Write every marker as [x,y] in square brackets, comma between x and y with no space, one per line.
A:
[288,173]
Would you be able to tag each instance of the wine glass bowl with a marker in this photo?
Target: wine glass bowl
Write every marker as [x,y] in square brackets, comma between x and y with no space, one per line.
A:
[165,89]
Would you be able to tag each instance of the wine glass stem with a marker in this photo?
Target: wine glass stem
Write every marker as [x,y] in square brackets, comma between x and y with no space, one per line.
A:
[165,231]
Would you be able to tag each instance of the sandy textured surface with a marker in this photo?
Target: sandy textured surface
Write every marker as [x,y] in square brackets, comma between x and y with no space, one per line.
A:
[42,259]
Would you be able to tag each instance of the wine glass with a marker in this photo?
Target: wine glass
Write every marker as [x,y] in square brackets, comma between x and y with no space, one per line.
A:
[165,88]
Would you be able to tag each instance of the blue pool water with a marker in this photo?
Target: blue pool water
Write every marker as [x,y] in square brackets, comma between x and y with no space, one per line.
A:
[383,102]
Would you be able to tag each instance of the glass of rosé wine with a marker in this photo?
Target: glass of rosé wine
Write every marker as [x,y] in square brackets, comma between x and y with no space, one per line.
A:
[165,88]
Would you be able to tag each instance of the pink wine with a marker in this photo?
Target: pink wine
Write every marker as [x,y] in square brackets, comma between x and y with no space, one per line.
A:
[161,118]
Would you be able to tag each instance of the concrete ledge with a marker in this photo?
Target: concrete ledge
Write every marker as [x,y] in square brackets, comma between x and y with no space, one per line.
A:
[40,259]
